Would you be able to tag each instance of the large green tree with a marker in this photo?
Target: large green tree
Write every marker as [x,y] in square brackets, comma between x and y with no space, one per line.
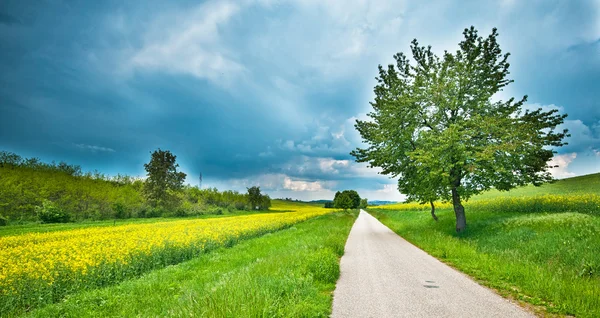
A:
[163,179]
[436,126]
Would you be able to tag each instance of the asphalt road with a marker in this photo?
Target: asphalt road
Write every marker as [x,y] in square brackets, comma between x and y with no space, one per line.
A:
[382,275]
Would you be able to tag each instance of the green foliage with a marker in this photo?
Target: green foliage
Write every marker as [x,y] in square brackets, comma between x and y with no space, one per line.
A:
[344,201]
[329,205]
[257,200]
[87,196]
[3,221]
[212,196]
[120,210]
[26,183]
[50,213]
[435,126]
[164,181]
[364,203]
[347,199]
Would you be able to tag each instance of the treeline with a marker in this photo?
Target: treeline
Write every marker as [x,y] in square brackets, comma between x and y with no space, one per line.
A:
[32,190]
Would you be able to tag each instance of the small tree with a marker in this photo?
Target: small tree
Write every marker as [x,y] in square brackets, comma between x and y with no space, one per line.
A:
[255,198]
[164,181]
[436,127]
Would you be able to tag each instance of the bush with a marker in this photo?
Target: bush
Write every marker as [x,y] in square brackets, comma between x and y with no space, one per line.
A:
[49,213]
[154,212]
[120,212]
[3,221]
[241,206]
[180,212]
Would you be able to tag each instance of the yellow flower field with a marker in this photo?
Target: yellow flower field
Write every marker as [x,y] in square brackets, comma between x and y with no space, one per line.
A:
[37,261]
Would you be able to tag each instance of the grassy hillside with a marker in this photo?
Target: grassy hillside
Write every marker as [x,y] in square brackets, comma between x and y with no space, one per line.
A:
[588,184]
[540,245]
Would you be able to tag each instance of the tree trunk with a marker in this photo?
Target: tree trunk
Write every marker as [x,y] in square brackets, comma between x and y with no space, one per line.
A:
[433,211]
[459,211]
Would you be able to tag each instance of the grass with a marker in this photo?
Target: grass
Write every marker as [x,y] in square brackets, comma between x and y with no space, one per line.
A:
[548,260]
[41,268]
[588,184]
[289,273]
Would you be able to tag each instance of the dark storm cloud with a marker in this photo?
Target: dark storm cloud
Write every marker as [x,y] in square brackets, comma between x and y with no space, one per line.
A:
[259,91]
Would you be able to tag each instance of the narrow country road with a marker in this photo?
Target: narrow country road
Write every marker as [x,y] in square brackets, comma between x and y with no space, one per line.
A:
[382,275]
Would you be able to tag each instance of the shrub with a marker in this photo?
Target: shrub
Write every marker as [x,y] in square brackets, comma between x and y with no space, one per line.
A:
[3,221]
[120,212]
[180,212]
[49,213]
[241,206]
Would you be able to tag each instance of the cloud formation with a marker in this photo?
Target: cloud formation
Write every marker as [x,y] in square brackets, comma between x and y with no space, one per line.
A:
[264,91]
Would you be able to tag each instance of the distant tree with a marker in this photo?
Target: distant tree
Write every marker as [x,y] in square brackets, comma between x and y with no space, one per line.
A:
[265,202]
[256,198]
[9,159]
[363,203]
[355,198]
[344,201]
[337,194]
[328,205]
[436,127]
[163,179]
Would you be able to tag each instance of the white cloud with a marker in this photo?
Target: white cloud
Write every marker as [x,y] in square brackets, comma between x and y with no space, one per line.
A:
[93,148]
[387,192]
[562,161]
[299,185]
[190,43]
[280,181]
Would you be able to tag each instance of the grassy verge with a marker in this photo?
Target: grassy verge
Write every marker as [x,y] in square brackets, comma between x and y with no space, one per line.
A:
[290,273]
[550,260]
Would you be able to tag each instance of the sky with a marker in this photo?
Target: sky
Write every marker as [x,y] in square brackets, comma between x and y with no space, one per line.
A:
[265,92]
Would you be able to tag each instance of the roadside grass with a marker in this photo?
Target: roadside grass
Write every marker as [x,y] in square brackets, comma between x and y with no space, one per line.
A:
[289,273]
[549,260]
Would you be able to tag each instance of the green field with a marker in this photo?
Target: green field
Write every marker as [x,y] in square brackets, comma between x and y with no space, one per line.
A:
[289,273]
[549,261]
[588,184]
